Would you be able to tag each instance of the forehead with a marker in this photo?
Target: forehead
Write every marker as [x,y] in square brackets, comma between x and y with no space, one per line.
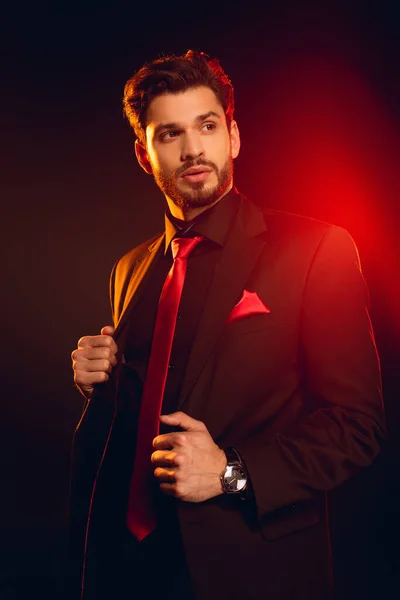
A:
[182,107]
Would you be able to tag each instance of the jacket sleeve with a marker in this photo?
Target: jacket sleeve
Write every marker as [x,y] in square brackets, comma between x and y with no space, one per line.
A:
[341,375]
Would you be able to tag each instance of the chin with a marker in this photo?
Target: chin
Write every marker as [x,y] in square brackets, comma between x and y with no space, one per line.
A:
[198,196]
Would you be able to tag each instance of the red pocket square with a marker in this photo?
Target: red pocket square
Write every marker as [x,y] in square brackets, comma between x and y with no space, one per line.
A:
[249,304]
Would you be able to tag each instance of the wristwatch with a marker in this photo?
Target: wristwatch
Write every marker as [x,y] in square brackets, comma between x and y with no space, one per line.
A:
[234,478]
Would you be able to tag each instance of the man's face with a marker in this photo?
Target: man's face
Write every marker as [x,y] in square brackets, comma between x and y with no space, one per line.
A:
[189,149]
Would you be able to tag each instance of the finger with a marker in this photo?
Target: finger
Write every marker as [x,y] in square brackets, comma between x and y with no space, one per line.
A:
[164,458]
[183,421]
[169,489]
[93,366]
[107,330]
[85,379]
[96,341]
[164,475]
[83,354]
[167,441]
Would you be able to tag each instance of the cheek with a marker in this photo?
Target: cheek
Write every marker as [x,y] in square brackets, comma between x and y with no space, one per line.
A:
[163,162]
[219,150]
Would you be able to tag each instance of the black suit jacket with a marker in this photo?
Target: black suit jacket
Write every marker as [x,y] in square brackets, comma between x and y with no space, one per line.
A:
[297,391]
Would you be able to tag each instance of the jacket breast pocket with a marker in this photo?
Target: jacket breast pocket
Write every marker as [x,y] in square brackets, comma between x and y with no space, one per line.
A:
[249,324]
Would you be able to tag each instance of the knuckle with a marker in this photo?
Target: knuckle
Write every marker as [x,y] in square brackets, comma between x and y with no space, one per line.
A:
[179,460]
[83,341]
[79,377]
[109,343]
[105,365]
[97,377]
[77,354]
[107,353]
[82,377]
[102,353]
[77,366]
[172,457]
[170,439]
[111,357]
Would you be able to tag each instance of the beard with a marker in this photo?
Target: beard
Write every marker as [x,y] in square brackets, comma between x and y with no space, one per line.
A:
[199,194]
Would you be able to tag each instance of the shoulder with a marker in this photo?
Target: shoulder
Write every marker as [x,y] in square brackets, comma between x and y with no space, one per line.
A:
[128,260]
[294,230]
[124,267]
[281,222]
[140,250]
[296,242]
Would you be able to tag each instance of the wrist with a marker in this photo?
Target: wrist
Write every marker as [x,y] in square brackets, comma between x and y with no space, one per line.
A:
[221,470]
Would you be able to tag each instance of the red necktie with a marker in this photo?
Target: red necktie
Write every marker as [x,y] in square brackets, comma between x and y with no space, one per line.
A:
[141,518]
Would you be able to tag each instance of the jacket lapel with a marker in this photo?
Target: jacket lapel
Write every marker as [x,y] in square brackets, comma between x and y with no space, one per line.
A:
[239,255]
[140,275]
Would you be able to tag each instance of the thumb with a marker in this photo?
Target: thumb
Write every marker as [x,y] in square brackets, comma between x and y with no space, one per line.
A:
[183,421]
[107,330]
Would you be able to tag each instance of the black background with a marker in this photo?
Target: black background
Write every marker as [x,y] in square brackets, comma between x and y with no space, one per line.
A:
[73,200]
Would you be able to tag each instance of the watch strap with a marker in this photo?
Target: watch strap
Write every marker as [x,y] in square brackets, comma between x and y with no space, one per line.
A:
[233,456]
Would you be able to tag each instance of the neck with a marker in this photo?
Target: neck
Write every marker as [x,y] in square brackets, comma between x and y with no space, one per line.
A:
[188,214]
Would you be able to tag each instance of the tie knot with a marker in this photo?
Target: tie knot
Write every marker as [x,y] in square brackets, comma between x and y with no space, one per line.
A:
[182,247]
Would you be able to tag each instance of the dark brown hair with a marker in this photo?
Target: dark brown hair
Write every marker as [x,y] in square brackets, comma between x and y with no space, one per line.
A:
[174,74]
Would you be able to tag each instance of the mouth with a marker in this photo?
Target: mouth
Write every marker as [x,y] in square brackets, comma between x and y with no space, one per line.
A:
[196,174]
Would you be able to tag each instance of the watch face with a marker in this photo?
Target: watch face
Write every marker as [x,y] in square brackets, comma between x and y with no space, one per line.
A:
[235,478]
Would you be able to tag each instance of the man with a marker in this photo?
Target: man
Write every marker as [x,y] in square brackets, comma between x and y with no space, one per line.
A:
[244,335]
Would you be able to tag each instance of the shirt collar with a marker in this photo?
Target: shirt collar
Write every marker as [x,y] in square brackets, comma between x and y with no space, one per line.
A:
[213,224]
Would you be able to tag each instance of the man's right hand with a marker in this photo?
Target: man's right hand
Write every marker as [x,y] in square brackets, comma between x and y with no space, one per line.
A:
[93,360]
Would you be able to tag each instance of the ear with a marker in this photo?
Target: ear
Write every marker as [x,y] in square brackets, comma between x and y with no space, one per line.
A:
[142,157]
[235,139]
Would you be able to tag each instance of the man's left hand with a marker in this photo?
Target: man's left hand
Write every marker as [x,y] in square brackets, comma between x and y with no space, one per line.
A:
[188,463]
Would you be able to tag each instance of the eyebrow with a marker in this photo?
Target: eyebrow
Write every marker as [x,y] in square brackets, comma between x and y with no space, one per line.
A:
[198,119]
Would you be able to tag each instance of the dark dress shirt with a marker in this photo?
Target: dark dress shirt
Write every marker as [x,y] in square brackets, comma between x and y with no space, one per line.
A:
[213,225]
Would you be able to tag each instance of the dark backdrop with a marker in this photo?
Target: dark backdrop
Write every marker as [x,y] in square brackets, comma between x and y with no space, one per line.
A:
[317,86]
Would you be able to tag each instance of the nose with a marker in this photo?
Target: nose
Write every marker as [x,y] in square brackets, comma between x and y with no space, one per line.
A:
[192,146]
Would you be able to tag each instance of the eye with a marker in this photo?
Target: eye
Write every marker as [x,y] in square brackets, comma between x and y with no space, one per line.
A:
[169,135]
[209,126]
